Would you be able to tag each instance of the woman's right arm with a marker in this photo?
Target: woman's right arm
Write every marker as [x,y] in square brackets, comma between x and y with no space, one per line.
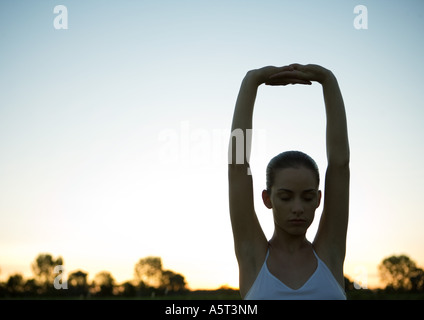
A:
[250,243]
[248,235]
[249,239]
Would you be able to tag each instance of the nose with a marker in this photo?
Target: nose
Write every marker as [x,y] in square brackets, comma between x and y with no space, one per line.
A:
[297,207]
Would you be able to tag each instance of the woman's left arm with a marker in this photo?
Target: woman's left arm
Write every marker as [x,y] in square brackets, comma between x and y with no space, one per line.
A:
[332,230]
[330,240]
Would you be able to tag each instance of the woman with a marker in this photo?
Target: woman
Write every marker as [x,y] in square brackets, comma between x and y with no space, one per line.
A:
[288,266]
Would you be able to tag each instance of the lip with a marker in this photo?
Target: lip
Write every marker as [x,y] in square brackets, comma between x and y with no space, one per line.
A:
[297,221]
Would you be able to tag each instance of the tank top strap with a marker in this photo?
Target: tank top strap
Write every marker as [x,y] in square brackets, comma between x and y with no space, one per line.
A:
[267,254]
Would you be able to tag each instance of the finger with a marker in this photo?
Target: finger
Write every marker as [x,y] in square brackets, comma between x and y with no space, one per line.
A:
[296,66]
[283,69]
[305,82]
[289,80]
[284,82]
[270,70]
[289,75]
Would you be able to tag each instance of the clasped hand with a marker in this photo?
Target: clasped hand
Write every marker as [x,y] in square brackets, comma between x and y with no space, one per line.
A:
[292,74]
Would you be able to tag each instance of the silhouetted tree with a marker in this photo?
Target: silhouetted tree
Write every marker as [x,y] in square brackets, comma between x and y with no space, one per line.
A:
[103,284]
[417,280]
[149,271]
[172,281]
[349,285]
[78,284]
[15,285]
[43,269]
[127,289]
[397,272]
[143,290]
[31,288]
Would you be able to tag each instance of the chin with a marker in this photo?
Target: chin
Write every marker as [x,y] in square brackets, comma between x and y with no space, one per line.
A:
[297,233]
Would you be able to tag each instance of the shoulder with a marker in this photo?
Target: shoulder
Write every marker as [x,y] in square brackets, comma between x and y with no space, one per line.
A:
[250,264]
[333,261]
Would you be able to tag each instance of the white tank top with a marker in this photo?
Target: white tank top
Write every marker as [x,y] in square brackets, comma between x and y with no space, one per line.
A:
[320,286]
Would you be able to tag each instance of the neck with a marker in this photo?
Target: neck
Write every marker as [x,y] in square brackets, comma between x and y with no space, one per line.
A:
[288,242]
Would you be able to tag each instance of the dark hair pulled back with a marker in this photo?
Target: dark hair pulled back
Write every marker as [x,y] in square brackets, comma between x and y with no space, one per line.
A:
[289,159]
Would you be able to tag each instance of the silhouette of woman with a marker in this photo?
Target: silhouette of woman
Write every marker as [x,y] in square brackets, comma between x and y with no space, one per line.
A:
[288,266]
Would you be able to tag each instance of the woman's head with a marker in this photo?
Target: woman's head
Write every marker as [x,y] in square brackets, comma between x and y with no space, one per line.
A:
[292,191]
[289,159]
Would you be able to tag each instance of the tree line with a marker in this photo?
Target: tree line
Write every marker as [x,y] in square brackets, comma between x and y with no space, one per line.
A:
[150,279]
[399,274]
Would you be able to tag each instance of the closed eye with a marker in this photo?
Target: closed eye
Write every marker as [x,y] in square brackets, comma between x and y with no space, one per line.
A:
[309,196]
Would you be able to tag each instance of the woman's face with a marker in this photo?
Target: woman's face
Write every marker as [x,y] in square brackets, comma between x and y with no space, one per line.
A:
[294,199]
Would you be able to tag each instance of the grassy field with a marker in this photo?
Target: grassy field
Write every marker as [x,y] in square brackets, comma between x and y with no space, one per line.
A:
[381,295]
[364,295]
[229,295]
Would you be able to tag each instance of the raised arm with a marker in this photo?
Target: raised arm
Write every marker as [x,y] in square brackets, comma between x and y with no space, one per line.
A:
[249,240]
[330,240]
[331,235]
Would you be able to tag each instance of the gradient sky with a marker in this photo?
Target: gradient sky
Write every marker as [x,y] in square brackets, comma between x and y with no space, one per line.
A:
[113,133]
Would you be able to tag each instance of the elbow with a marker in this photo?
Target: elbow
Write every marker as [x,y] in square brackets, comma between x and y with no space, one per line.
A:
[340,162]
[340,169]
[340,159]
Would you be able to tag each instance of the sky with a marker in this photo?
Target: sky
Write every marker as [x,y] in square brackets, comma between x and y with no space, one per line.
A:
[114,131]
